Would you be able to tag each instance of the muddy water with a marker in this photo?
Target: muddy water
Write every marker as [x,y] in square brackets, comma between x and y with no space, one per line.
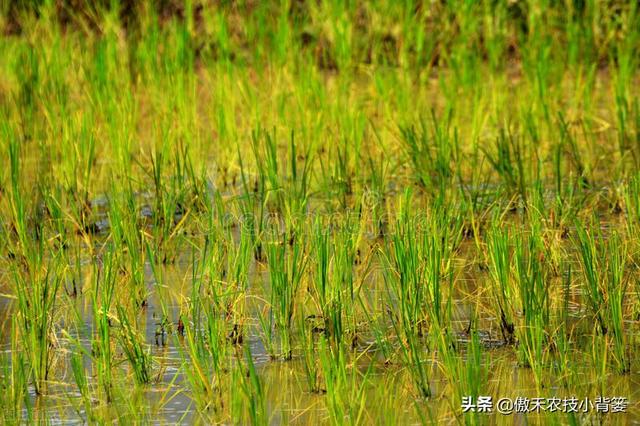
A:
[388,389]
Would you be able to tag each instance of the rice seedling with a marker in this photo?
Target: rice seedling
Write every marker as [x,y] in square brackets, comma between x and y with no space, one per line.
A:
[169,208]
[616,296]
[464,372]
[407,325]
[500,257]
[14,381]
[36,302]
[431,151]
[428,202]
[309,357]
[561,334]
[36,281]
[248,382]
[102,300]
[205,349]
[327,293]
[420,283]
[287,265]
[508,161]
[632,212]
[569,146]
[335,291]
[136,352]
[287,189]
[125,234]
[532,283]
[203,363]
[603,265]
[344,384]
[405,281]
[80,378]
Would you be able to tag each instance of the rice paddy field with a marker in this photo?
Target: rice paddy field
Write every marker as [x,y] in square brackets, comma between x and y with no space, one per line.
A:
[320,212]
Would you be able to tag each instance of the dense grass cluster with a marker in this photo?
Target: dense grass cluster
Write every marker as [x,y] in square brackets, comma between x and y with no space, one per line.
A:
[267,212]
